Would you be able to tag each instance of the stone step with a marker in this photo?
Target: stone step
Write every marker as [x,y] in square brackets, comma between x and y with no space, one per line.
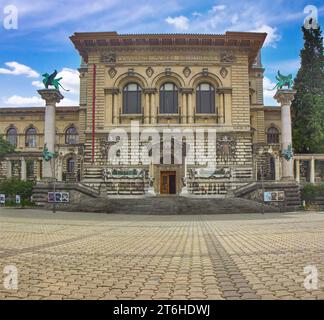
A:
[183,205]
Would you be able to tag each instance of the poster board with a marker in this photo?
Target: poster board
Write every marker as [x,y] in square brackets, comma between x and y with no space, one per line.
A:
[58,197]
[274,196]
[2,198]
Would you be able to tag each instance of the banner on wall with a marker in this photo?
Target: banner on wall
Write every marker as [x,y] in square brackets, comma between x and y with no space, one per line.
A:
[270,196]
[2,198]
[18,199]
[59,197]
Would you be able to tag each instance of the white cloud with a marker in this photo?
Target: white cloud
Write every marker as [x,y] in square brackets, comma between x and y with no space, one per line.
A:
[221,18]
[71,80]
[272,36]
[16,100]
[181,22]
[196,14]
[268,92]
[16,68]
[34,101]
[220,7]
[38,84]
[68,102]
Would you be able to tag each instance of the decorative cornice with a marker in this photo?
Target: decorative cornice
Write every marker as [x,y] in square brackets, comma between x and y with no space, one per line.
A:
[112,90]
[285,96]
[186,90]
[83,69]
[224,90]
[87,41]
[29,110]
[149,90]
[51,96]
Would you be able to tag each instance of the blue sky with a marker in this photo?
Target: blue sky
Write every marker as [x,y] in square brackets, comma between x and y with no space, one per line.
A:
[41,42]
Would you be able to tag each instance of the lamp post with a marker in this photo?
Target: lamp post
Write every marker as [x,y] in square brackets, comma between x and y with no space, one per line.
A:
[261,151]
[52,162]
[49,158]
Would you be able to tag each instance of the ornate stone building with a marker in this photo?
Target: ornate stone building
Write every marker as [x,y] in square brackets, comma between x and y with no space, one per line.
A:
[184,85]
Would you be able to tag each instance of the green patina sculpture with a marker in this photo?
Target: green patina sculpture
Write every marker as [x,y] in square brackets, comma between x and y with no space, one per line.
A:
[47,156]
[283,81]
[49,80]
[288,153]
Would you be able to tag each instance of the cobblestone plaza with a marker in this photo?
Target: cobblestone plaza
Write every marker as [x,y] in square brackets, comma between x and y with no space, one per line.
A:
[100,256]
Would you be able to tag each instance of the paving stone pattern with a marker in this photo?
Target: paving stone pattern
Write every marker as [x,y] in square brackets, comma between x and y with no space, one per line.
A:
[100,256]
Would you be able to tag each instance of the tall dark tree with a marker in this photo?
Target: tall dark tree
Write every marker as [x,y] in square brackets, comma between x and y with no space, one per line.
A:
[5,147]
[308,105]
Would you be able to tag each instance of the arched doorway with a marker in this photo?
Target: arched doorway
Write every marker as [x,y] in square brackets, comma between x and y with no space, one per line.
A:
[272,168]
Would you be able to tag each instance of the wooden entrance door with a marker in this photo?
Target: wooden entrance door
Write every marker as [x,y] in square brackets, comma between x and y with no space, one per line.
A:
[168,182]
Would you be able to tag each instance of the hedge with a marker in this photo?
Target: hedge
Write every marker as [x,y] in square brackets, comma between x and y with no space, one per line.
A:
[13,187]
[311,192]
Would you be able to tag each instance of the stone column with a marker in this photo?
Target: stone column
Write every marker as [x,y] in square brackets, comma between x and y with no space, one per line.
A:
[228,107]
[190,109]
[277,168]
[297,164]
[187,105]
[9,169]
[153,109]
[284,97]
[23,169]
[112,112]
[312,170]
[184,108]
[220,112]
[118,107]
[51,97]
[115,108]
[147,109]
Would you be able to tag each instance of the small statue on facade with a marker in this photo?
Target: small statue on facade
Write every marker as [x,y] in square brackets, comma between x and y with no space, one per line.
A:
[47,155]
[288,153]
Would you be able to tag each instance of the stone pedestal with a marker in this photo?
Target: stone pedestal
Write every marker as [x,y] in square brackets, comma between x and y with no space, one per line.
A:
[51,97]
[285,97]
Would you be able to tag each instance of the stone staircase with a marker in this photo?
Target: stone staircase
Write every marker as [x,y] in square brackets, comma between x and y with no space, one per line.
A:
[93,174]
[292,200]
[177,205]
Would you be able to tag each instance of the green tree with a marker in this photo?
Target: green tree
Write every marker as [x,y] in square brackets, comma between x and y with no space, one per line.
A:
[5,147]
[13,186]
[308,105]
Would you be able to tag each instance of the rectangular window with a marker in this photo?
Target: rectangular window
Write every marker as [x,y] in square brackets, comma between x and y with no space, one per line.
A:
[205,102]
[132,102]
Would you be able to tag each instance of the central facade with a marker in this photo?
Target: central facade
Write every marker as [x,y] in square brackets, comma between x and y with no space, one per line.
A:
[168,114]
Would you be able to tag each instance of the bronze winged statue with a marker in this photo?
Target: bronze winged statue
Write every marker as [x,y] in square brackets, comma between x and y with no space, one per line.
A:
[283,81]
[49,80]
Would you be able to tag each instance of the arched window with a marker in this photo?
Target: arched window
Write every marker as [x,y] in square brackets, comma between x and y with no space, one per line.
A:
[205,98]
[272,135]
[71,136]
[70,165]
[169,98]
[31,138]
[12,136]
[132,95]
